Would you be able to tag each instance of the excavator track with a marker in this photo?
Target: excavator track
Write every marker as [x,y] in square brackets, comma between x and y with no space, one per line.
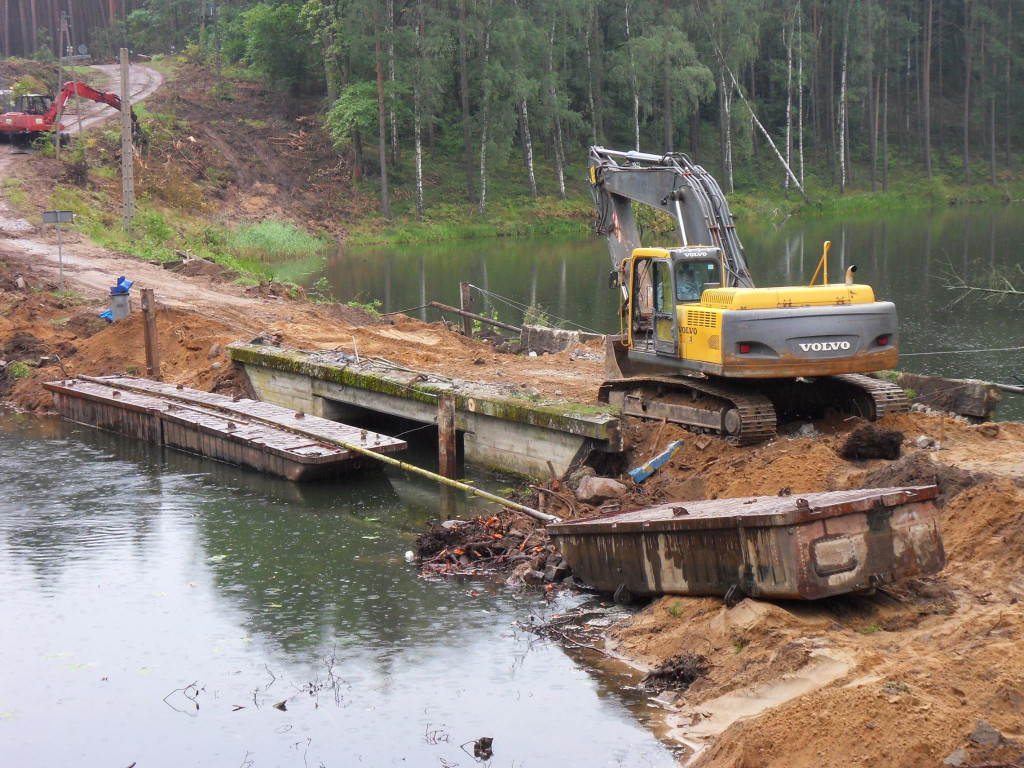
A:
[886,398]
[745,417]
[739,416]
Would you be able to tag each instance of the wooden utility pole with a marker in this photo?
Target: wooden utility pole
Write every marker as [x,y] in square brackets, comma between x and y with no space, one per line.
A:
[62,36]
[466,304]
[74,79]
[150,338]
[446,443]
[127,177]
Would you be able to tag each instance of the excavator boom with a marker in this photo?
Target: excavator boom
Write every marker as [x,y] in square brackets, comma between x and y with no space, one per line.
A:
[85,91]
[671,183]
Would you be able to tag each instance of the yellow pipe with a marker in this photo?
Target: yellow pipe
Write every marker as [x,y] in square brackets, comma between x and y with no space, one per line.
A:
[823,263]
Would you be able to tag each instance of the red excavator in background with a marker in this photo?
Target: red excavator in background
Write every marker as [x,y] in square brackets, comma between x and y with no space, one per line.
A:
[34,114]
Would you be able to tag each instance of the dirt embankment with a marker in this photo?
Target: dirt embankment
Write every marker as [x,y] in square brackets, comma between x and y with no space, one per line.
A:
[899,678]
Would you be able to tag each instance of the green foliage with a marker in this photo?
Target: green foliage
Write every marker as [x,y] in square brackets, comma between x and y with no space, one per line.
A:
[273,44]
[44,43]
[19,370]
[372,308]
[535,315]
[354,110]
[150,225]
[28,84]
[106,40]
[270,240]
[675,609]
[870,629]
[14,192]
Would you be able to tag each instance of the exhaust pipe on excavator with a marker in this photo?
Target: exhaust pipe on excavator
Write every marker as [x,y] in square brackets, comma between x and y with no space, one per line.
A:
[849,274]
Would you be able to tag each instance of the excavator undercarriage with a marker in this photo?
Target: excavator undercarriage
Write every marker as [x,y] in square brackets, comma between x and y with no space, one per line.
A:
[744,413]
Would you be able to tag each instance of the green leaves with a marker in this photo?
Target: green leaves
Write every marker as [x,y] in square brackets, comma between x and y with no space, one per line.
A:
[276,44]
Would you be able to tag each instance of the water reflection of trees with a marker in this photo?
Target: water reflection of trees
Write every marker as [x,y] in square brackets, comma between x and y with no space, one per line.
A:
[567,277]
[71,491]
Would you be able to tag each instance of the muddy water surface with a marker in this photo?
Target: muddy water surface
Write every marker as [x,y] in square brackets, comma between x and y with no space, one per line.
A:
[156,606]
[908,256]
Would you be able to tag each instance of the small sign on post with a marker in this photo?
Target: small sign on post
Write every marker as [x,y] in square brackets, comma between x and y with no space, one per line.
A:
[58,218]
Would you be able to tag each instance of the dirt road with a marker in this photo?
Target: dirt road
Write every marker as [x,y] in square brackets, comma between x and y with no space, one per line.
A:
[142,82]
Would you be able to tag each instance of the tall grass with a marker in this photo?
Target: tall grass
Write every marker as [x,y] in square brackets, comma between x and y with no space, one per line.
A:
[270,240]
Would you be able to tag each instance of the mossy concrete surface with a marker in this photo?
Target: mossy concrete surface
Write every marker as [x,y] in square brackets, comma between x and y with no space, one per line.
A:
[508,432]
[599,423]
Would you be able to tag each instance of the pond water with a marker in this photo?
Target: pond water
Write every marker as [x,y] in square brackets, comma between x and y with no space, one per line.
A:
[131,573]
[908,256]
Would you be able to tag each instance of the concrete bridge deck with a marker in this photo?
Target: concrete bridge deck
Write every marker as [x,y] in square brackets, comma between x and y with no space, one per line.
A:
[502,427]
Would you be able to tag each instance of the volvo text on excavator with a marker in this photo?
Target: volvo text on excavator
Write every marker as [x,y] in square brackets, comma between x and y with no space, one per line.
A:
[699,344]
[34,114]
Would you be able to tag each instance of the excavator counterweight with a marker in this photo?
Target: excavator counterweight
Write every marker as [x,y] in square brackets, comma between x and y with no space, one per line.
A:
[699,344]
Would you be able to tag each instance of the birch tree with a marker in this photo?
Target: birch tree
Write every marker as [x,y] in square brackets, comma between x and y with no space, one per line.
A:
[486,107]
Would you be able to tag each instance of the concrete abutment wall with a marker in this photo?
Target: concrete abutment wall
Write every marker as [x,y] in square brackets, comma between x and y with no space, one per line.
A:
[510,443]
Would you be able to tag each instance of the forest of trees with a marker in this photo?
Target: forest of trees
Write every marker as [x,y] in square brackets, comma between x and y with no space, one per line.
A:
[844,88]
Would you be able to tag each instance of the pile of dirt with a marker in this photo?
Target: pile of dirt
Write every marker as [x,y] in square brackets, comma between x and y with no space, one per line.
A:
[203,268]
[23,345]
[12,70]
[919,469]
[871,442]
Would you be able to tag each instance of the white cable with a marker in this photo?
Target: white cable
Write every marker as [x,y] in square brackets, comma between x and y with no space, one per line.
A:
[960,351]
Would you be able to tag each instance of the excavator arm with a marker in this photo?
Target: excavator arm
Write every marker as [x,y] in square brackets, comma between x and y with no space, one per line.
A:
[671,183]
[87,92]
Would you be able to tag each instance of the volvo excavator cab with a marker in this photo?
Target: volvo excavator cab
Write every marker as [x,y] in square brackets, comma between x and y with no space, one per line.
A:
[699,345]
[659,282]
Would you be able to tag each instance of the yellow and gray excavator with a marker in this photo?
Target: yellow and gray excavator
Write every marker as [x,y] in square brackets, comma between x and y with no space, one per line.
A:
[699,345]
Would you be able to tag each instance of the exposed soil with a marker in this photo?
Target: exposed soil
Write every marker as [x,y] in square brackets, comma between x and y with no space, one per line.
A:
[259,153]
[898,678]
[894,679]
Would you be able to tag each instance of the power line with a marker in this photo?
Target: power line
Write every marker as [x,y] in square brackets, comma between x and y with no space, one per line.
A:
[960,351]
[525,308]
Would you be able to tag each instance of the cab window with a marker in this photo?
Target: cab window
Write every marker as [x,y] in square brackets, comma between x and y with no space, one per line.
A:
[692,275]
[662,280]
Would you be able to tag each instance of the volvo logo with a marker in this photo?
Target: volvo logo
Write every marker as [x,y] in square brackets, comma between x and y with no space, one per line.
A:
[824,346]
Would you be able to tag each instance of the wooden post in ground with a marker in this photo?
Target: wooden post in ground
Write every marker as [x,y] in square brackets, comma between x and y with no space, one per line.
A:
[149,325]
[466,305]
[127,177]
[61,49]
[446,442]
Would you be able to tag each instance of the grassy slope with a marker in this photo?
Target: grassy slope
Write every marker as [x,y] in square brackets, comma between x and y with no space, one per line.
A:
[182,208]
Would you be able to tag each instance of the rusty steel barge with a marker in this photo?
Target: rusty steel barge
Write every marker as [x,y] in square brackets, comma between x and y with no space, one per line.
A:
[248,433]
[804,546]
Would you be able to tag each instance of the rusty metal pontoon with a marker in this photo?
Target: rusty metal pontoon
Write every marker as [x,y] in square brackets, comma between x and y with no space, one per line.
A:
[804,546]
